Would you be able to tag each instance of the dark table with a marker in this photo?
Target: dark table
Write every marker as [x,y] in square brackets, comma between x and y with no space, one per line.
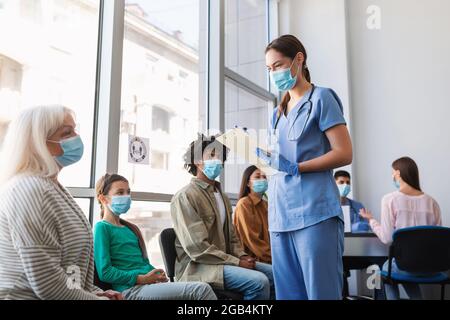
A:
[362,250]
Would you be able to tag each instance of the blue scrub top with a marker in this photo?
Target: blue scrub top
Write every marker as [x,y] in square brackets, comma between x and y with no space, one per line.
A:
[299,202]
[359,224]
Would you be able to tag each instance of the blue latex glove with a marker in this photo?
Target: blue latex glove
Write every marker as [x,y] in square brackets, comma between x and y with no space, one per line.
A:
[278,162]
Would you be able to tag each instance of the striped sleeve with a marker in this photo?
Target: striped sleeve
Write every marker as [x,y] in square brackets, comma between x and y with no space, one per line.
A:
[46,277]
[35,239]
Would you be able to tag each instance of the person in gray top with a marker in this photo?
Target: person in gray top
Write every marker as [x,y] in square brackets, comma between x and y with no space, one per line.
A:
[46,242]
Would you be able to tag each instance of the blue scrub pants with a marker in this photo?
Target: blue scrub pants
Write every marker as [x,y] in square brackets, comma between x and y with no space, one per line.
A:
[307,263]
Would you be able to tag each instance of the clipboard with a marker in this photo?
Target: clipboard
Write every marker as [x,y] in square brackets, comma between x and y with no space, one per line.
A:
[244,145]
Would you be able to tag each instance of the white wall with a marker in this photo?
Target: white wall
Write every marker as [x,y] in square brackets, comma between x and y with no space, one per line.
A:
[394,83]
[400,81]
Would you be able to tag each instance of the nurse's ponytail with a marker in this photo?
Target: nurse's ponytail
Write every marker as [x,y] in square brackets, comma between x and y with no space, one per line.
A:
[289,46]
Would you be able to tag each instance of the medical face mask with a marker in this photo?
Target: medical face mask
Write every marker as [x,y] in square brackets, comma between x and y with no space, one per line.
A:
[396,184]
[73,149]
[283,79]
[260,186]
[344,190]
[120,204]
[212,168]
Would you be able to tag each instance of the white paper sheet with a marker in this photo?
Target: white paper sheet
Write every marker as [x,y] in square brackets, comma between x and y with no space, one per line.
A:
[244,145]
[347,219]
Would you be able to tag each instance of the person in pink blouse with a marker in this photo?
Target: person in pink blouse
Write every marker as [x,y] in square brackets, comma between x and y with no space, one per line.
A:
[409,206]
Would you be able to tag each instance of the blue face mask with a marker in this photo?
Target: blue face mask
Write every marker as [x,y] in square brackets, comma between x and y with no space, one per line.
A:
[120,204]
[344,190]
[260,186]
[396,184]
[73,149]
[283,79]
[212,168]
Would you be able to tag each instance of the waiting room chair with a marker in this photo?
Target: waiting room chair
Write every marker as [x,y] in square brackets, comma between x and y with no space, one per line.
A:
[102,285]
[167,243]
[421,250]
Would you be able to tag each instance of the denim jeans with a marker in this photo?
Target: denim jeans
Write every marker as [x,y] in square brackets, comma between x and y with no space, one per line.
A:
[171,291]
[253,284]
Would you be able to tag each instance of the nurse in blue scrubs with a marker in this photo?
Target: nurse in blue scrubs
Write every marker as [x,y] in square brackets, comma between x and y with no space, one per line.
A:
[308,139]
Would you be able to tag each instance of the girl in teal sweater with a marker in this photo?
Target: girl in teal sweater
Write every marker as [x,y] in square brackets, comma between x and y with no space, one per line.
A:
[120,254]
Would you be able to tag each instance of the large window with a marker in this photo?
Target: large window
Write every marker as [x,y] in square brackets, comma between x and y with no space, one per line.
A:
[248,101]
[152,218]
[163,80]
[245,110]
[48,55]
[161,84]
[246,34]
[138,68]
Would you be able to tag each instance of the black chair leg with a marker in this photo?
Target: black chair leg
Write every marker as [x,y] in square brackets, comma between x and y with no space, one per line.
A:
[381,293]
[443,292]
[346,291]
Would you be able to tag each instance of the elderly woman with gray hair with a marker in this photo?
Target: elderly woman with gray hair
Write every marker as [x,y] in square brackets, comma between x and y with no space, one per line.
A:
[46,242]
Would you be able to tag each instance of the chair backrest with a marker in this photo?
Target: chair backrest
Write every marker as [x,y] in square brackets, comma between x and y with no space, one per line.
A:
[102,285]
[424,249]
[167,244]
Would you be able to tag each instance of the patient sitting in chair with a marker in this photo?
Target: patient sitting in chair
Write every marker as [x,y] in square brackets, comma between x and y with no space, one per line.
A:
[121,257]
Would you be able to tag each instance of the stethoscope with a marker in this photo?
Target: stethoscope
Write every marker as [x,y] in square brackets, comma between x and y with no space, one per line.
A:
[308,102]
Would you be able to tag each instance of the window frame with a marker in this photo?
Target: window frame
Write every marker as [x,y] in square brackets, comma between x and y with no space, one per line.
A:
[242,82]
